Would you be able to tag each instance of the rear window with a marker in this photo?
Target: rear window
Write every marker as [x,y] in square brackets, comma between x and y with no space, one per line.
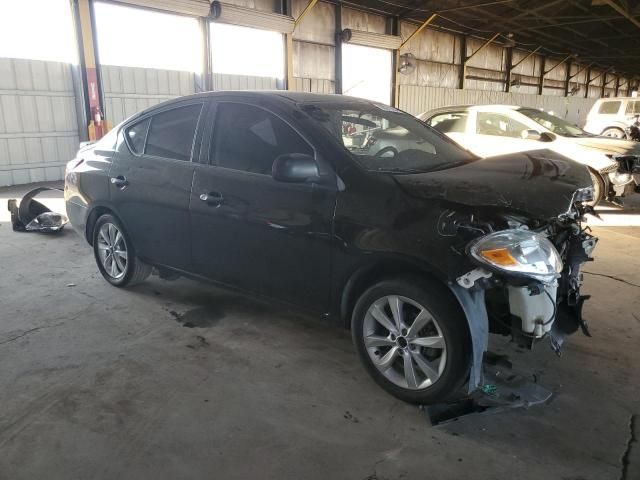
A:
[633,108]
[609,108]
[136,136]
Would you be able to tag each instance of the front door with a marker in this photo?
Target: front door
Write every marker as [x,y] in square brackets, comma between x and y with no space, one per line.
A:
[151,183]
[250,231]
[498,134]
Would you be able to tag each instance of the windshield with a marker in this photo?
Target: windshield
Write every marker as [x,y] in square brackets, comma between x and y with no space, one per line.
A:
[383,139]
[553,123]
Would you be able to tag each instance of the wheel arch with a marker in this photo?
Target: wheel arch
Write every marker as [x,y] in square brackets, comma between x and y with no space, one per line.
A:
[94,214]
[375,271]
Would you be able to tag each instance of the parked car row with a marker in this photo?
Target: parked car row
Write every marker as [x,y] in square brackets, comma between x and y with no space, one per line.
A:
[357,211]
[489,130]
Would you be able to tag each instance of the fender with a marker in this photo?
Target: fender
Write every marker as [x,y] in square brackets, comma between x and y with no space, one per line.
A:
[475,311]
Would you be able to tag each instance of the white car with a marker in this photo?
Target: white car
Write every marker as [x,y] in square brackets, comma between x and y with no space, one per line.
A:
[610,116]
[491,130]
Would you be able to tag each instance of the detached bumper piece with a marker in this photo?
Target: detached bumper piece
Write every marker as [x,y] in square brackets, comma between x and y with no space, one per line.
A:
[33,216]
[503,389]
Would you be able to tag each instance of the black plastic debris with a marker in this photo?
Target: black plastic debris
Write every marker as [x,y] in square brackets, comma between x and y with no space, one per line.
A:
[33,216]
[503,389]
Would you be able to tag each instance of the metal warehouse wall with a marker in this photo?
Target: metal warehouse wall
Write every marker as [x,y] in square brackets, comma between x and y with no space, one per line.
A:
[128,90]
[415,99]
[38,126]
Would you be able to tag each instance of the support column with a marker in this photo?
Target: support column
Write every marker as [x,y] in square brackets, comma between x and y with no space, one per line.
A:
[92,90]
[338,52]
[288,49]
[586,89]
[508,68]
[395,77]
[567,78]
[207,67]
[463,62]
[542,74]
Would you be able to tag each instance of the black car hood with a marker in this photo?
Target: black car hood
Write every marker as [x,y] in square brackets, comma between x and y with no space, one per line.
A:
[540,183]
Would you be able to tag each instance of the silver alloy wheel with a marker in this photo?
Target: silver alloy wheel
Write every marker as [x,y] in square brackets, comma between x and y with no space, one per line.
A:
[404,342]
[112,250]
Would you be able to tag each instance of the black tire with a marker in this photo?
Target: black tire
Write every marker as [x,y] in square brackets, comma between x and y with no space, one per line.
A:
[613,132]
[441,303]
[598,187]
[135,271]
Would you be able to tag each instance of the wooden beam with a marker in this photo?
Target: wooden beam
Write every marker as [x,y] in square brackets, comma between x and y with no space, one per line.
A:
[419,29]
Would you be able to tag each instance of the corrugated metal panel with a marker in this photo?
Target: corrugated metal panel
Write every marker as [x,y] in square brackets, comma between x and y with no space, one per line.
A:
[311,60]
[38,126]
[430,44]
[318,25]
[127,90]
[367,22]
[272,6]
[223,81]
[416,100]
[314,85]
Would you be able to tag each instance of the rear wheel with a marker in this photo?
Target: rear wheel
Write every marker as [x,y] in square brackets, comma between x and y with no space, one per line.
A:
[413,339]
[613,132]
[115,254]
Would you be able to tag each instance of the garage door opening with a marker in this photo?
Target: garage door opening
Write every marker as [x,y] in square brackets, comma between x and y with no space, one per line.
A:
[135,37]
[366,72]
[246,51]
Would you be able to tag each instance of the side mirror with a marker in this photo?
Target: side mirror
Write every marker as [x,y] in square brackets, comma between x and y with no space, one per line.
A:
[295,168]
[531,135]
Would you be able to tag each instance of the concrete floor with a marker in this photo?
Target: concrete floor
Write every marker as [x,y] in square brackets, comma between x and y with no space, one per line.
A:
[97,382]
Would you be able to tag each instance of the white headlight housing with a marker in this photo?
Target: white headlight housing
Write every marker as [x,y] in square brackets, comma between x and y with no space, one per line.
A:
[518,252]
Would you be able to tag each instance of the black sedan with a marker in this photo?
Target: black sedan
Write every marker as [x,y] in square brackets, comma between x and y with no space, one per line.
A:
[419,247]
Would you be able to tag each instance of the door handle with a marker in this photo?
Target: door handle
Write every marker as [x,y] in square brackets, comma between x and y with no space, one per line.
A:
[120,182]
[212,198]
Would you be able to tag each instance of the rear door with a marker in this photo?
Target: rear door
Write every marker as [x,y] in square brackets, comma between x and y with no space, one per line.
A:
[151,182]
[250,231]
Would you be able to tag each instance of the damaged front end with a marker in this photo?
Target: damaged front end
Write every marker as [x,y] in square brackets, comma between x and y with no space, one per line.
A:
[527,278]
[626,179]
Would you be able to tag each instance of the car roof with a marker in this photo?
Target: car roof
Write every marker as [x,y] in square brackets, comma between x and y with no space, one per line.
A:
[466,108]
[285,96]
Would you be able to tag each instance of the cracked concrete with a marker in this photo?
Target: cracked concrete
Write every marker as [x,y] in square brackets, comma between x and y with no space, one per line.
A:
[631,469]
[121,389]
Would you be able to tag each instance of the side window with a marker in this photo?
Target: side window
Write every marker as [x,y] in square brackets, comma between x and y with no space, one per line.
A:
[449,122]
[609,108]
[633,108]
[136,135]
[171,133]
[249,138]
[490,123]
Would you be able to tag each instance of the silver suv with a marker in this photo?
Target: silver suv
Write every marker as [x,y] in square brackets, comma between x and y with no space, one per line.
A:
[610,116]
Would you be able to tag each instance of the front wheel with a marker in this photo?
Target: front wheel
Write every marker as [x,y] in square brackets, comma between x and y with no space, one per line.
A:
[413,339]
[598,188]
[115,254]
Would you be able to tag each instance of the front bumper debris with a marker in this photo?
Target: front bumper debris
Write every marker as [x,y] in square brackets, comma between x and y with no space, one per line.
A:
[33,216]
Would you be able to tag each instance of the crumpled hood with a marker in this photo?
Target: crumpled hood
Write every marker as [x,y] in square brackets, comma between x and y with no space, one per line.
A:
[539,183]
[607,145]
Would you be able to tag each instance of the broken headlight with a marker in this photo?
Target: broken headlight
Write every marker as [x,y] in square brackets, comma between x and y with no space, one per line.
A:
[519,253]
